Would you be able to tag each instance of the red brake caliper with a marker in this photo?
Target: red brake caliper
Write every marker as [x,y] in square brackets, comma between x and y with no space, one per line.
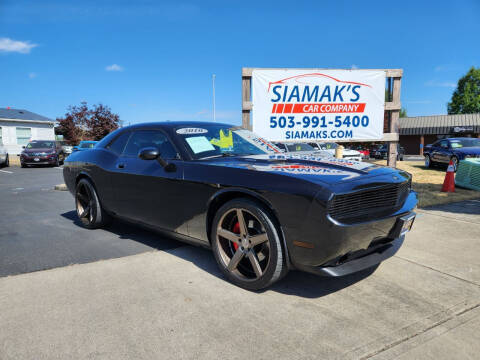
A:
[236,230]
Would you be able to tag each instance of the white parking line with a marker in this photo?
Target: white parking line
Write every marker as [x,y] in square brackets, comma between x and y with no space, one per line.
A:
[58,167]
[8,172]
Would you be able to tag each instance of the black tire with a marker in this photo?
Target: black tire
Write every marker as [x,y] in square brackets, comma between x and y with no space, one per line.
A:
[57,162]
[455,163]
[23,165]
[89,210]
[428,161]
[63,159]
[7,161]
[256,252]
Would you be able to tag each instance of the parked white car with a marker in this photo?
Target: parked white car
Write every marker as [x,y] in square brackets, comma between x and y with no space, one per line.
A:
[331,146]
[4,161]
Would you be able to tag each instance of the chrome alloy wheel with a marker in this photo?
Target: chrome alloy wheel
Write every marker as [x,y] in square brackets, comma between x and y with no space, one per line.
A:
[243,244]
[85,204]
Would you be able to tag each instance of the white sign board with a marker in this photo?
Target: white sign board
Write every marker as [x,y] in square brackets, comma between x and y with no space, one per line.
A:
[318,105]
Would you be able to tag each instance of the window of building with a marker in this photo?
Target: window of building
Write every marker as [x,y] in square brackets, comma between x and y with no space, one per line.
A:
[23,135]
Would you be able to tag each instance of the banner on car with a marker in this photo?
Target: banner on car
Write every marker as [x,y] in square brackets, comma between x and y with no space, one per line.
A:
[318,105]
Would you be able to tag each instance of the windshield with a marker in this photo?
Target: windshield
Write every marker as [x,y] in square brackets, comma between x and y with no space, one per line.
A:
[41,144]
[328,146]
[220,140]
[455,144]
[299,147]
[87,145]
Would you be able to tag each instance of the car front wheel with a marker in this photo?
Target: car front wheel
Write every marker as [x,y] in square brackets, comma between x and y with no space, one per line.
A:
[455,163]
[89,210]
[247,245]
[428,161]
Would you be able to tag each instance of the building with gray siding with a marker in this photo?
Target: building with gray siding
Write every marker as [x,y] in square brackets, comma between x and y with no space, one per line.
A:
[18,127]
[418,131]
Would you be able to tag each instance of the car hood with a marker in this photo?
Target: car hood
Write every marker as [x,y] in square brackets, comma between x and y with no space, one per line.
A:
[345,152]
[475,150]
[350,152]
[310,168]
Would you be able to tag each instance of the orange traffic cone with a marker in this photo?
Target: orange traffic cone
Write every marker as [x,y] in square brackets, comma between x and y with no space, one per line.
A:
[449,182]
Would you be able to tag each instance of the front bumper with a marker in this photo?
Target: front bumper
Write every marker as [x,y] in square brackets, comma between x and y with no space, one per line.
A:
[340,249]
[42,160]
[357,262]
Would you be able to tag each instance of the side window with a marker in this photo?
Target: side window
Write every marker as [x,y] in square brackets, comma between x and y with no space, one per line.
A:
[444,144]
[150,138]
[118,144]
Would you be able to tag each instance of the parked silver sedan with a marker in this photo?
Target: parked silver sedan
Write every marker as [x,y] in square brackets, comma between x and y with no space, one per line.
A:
[4,160]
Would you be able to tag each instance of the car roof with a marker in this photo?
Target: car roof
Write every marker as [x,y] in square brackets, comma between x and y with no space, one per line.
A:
[175,124]
[459,138]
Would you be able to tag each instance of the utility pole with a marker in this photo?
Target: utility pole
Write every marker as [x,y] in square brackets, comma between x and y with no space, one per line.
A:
[213,85]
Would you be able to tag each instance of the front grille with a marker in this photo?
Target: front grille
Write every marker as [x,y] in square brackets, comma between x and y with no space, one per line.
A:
[368,203]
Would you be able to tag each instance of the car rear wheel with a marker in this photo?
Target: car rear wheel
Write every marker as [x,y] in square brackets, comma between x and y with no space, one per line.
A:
[89,210]
[428,161]
[455,163]
[247,245]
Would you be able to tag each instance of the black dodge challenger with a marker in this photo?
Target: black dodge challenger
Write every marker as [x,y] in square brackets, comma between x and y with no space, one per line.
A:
[262,212]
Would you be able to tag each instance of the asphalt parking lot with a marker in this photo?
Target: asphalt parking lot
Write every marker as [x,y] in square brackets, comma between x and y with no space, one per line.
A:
[136,295]
[39,229]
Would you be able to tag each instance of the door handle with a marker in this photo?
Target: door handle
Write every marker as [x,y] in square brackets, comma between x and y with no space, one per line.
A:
[121,166]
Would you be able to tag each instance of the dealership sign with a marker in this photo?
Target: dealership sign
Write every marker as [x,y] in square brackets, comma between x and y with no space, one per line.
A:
[318,105]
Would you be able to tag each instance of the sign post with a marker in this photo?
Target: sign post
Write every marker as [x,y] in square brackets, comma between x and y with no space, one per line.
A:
[317,105]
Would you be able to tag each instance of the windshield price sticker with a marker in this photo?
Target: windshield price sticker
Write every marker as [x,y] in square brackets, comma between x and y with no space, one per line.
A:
[199,144]
[318,104]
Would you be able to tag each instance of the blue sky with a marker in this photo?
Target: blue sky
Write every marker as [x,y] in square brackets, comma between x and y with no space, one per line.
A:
[153,60]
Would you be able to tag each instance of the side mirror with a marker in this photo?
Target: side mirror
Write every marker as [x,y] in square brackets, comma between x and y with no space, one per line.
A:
[23,147]
[152,153]
[149,153]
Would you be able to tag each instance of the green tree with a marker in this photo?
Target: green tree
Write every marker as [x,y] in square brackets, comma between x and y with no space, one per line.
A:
[403,112]
[466,97]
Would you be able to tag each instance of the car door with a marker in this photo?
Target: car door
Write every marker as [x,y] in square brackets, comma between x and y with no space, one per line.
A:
[443,152]
[435,151]
[146,191]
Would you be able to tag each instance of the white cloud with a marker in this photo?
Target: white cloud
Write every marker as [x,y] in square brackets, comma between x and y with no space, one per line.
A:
[435,83]
[32,75]
[9,45]
[114,67]
[354,67]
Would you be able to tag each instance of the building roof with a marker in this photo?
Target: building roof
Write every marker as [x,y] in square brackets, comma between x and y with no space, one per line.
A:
[439,124]
[20,114]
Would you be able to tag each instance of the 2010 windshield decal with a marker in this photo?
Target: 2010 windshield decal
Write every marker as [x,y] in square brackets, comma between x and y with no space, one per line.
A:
[189,131]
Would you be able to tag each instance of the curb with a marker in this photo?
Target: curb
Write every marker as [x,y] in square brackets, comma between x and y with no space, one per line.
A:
[60,187]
